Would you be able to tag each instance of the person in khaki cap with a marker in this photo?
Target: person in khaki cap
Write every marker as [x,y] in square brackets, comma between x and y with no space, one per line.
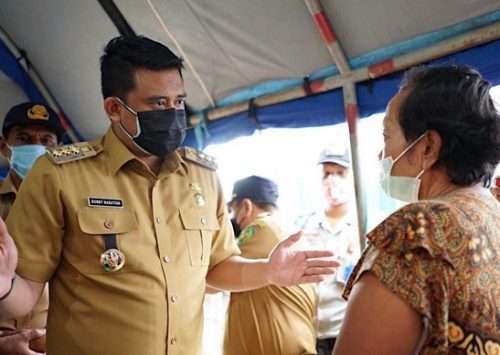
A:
[262,321]
[129,229]
[28,128]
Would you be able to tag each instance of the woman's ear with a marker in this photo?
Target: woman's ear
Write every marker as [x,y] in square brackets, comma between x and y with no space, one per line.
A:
[432,148]
[112,109]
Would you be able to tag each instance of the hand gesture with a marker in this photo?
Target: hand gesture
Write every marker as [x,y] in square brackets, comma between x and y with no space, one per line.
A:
[8,259]
[21,343]
[289,266]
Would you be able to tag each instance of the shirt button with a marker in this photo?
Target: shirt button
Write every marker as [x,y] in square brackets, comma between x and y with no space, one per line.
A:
[158,220]
[173,340]
[166,259]
[203,220]
[174,298]
[108,224]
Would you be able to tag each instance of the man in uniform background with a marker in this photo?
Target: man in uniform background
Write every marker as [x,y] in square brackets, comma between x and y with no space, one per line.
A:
[262,321]
[334,228]
[28,128]
[128,229]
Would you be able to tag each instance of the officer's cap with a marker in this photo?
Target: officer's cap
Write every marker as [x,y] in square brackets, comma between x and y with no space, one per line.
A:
[32,113]
[335,154]
[255,188]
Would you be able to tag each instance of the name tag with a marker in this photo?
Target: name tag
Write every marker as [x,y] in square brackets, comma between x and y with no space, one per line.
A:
[104,202]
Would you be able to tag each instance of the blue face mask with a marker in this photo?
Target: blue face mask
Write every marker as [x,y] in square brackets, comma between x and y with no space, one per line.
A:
[23,157]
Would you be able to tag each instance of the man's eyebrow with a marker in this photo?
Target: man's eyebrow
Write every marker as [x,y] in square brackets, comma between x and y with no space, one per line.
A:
[159,97]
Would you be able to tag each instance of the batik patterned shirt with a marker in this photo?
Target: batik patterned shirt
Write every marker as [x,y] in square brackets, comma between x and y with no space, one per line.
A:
[442,257]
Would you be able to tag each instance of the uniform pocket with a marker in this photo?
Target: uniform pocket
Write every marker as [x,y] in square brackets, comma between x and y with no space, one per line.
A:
[96,222]
[199,226]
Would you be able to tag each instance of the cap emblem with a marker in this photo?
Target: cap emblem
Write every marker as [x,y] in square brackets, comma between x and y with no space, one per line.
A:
[38,112]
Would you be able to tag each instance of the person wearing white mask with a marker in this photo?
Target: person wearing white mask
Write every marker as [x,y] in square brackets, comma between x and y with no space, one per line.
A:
[333,228]
[28,128]
[428,282]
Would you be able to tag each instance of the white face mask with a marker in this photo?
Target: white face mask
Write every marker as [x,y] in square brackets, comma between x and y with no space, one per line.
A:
[403,188]
[336,189]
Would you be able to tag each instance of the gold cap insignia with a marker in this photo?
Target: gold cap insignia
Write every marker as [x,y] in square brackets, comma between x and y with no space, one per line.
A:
[38,112]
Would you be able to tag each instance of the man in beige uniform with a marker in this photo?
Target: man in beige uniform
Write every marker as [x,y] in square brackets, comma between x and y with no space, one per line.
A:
[271,319]
[27,129]
[129,229]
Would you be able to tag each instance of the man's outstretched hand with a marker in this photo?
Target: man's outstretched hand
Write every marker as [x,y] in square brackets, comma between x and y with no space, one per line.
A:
[8,259]
[289,266]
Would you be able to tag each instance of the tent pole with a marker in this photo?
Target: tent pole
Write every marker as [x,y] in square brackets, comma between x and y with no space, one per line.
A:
[32,73]
[464,41]
[352,118]
[350,105]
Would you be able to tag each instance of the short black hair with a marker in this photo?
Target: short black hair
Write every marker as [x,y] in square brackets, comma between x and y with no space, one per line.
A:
[123,55]
[455,102]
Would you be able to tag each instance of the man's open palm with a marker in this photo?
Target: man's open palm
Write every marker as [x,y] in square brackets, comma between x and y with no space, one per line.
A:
[289,266]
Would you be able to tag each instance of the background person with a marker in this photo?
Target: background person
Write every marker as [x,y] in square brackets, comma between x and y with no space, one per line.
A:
[271,319]
[333,228]
[27,129]
[428,282]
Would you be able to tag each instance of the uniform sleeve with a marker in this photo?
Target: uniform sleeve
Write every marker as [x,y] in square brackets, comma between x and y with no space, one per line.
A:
[223,242]
[407,253]
[36,222]
[257,241]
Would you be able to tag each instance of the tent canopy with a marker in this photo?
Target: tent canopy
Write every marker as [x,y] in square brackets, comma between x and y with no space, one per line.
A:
[239,50]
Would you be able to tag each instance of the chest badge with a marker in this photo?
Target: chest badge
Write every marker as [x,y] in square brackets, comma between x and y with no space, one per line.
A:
[112,260]
[200,200]
[194,186]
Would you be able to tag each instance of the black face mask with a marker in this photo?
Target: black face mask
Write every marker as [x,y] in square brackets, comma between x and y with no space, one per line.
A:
[236,228]
[159,132]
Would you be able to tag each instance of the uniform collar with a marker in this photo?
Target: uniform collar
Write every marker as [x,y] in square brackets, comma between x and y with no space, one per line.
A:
[7,186]
[118,152]
[119,155]
[345,221]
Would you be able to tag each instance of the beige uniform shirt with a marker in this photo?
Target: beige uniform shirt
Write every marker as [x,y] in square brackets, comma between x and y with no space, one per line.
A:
[37,318]
[169,235]
[270,320]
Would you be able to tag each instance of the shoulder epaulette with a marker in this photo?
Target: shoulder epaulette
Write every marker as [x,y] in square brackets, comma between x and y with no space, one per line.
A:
[198,157]
[72,152]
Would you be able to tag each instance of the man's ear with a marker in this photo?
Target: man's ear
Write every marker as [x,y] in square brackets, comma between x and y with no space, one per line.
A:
[4,149]
[432,148]
[247,207]
[112,109]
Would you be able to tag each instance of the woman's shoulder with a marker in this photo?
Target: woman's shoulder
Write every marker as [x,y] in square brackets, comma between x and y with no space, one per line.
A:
[424,224]
[439,226]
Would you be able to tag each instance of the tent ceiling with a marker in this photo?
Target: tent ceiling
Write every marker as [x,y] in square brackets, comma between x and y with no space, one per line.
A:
[232,44]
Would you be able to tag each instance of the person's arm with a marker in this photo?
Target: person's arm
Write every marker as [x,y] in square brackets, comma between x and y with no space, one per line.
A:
[377,321]
[22,294]
[285,266]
